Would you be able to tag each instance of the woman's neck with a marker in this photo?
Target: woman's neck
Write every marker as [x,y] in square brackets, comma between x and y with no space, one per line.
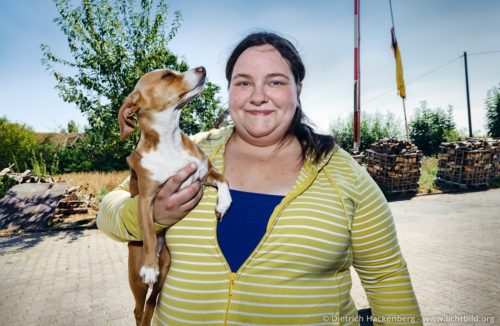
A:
[285,146]
[270,169]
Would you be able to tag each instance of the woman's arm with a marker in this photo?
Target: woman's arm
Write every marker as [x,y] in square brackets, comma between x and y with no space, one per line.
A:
[118,216]
[378,260]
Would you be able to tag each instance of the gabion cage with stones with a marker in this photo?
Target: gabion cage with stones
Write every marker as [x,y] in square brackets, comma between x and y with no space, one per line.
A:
[394,165]
[469,163]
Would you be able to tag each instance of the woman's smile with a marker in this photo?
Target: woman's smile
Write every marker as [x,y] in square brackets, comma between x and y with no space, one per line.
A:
[260,112]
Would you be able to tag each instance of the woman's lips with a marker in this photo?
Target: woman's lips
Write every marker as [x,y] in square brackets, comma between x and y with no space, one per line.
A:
[260,112]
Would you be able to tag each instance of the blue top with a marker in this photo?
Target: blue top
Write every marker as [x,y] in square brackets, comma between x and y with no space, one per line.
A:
[244,225]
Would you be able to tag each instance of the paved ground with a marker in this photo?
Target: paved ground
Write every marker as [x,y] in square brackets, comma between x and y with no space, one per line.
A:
[80,277]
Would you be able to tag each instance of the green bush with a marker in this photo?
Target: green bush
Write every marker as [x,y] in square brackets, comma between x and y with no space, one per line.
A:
[46,156]
[74,160]
[21,147]
[84,156]
[430,127]
[17,141]
[373,127]
[5,184]
[493,112]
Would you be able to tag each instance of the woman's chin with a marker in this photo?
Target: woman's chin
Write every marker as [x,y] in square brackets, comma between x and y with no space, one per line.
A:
[259,131]
[263,136]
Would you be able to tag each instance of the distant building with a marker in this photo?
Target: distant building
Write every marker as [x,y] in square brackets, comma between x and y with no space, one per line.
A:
[63,139]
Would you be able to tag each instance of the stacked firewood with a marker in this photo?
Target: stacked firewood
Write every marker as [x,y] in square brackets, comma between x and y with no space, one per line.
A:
[74,202]
[358,156]
[495,143]
[468,163]
[25,177]
[394,164]
[393,146]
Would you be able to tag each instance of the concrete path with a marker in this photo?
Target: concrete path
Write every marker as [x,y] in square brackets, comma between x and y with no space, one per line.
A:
[451,244]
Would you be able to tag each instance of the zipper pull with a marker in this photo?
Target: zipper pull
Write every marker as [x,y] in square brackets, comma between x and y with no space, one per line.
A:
[231,285]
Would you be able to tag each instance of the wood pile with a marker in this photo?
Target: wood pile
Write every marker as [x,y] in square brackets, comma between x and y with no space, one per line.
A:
[73,202]
[25,177]
[495,143]
[394,164]
[469,163]
[358,156]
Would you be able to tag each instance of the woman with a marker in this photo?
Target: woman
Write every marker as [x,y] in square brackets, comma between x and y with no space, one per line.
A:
[303,212]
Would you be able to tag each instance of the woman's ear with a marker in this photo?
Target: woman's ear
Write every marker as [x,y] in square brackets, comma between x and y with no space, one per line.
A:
[299,89]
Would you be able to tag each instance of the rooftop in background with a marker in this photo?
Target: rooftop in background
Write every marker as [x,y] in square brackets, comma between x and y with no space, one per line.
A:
[62,139]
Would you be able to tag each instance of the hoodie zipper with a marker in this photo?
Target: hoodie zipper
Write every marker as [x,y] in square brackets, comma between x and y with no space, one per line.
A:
[273,219]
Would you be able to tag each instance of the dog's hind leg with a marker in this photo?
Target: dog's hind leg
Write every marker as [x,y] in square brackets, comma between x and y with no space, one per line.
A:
[164,267]
[139,289]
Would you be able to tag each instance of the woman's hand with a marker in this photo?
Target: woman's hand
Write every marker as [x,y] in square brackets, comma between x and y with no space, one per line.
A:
[172,204]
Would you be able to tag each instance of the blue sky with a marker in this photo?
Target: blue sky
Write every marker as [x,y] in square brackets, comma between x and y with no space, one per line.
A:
[430,33]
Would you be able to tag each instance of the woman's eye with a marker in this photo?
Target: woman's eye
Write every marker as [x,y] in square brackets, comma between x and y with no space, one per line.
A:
[242,83]
[276,83]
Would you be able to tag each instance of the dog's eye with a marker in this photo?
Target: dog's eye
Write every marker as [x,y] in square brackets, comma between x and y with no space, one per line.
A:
[167,75]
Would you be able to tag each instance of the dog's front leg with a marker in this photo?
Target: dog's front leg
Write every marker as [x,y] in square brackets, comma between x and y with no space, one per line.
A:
[149,270]
[214,178]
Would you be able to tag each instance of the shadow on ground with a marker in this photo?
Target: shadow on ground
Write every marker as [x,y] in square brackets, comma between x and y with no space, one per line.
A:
[17,243]
[405,196]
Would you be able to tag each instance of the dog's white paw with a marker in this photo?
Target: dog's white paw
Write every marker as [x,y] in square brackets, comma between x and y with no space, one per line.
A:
[223,200]
[149,275]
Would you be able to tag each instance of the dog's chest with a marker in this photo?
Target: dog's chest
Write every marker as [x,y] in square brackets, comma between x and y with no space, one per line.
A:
[167,160]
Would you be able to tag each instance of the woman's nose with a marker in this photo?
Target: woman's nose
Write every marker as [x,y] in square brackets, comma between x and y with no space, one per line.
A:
[258,96]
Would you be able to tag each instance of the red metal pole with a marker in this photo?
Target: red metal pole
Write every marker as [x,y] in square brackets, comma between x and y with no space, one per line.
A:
[357,104]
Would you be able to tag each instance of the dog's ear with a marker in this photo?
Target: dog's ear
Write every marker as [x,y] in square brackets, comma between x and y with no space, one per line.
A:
[128,109]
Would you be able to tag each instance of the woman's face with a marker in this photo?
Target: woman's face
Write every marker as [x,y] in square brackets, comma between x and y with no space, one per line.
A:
[263,95]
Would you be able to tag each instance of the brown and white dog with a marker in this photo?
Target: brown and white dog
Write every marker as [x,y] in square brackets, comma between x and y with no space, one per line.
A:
[157,100]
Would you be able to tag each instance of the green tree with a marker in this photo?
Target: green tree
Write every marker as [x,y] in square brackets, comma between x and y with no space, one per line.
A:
[493,112]
[373,127]
[17,141]
[76,159]
[45,156]
[72,126]
[113,43]
[430,127]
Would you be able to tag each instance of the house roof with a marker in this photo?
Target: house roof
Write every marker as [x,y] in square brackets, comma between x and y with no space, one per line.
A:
[61,138]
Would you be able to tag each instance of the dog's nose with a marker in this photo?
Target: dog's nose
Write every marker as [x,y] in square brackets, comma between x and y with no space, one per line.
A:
[200,70]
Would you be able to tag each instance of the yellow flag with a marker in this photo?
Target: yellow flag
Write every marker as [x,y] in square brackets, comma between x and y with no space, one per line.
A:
[399,66]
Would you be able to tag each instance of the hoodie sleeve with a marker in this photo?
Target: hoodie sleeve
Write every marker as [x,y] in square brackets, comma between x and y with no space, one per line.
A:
[378,260]
[118,215]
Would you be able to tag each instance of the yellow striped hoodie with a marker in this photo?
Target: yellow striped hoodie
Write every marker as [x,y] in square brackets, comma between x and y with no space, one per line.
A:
[334,217]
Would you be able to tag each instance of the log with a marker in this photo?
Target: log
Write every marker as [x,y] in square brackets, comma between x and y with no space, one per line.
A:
[69,211]
[73,189]
[6,170]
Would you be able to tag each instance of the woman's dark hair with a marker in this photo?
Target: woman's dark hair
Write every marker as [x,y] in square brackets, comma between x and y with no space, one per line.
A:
[312,143]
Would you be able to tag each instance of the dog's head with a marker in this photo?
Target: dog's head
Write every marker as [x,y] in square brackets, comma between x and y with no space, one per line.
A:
[157,91]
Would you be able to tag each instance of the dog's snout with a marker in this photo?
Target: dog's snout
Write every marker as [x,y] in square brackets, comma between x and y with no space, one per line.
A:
[200,70]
